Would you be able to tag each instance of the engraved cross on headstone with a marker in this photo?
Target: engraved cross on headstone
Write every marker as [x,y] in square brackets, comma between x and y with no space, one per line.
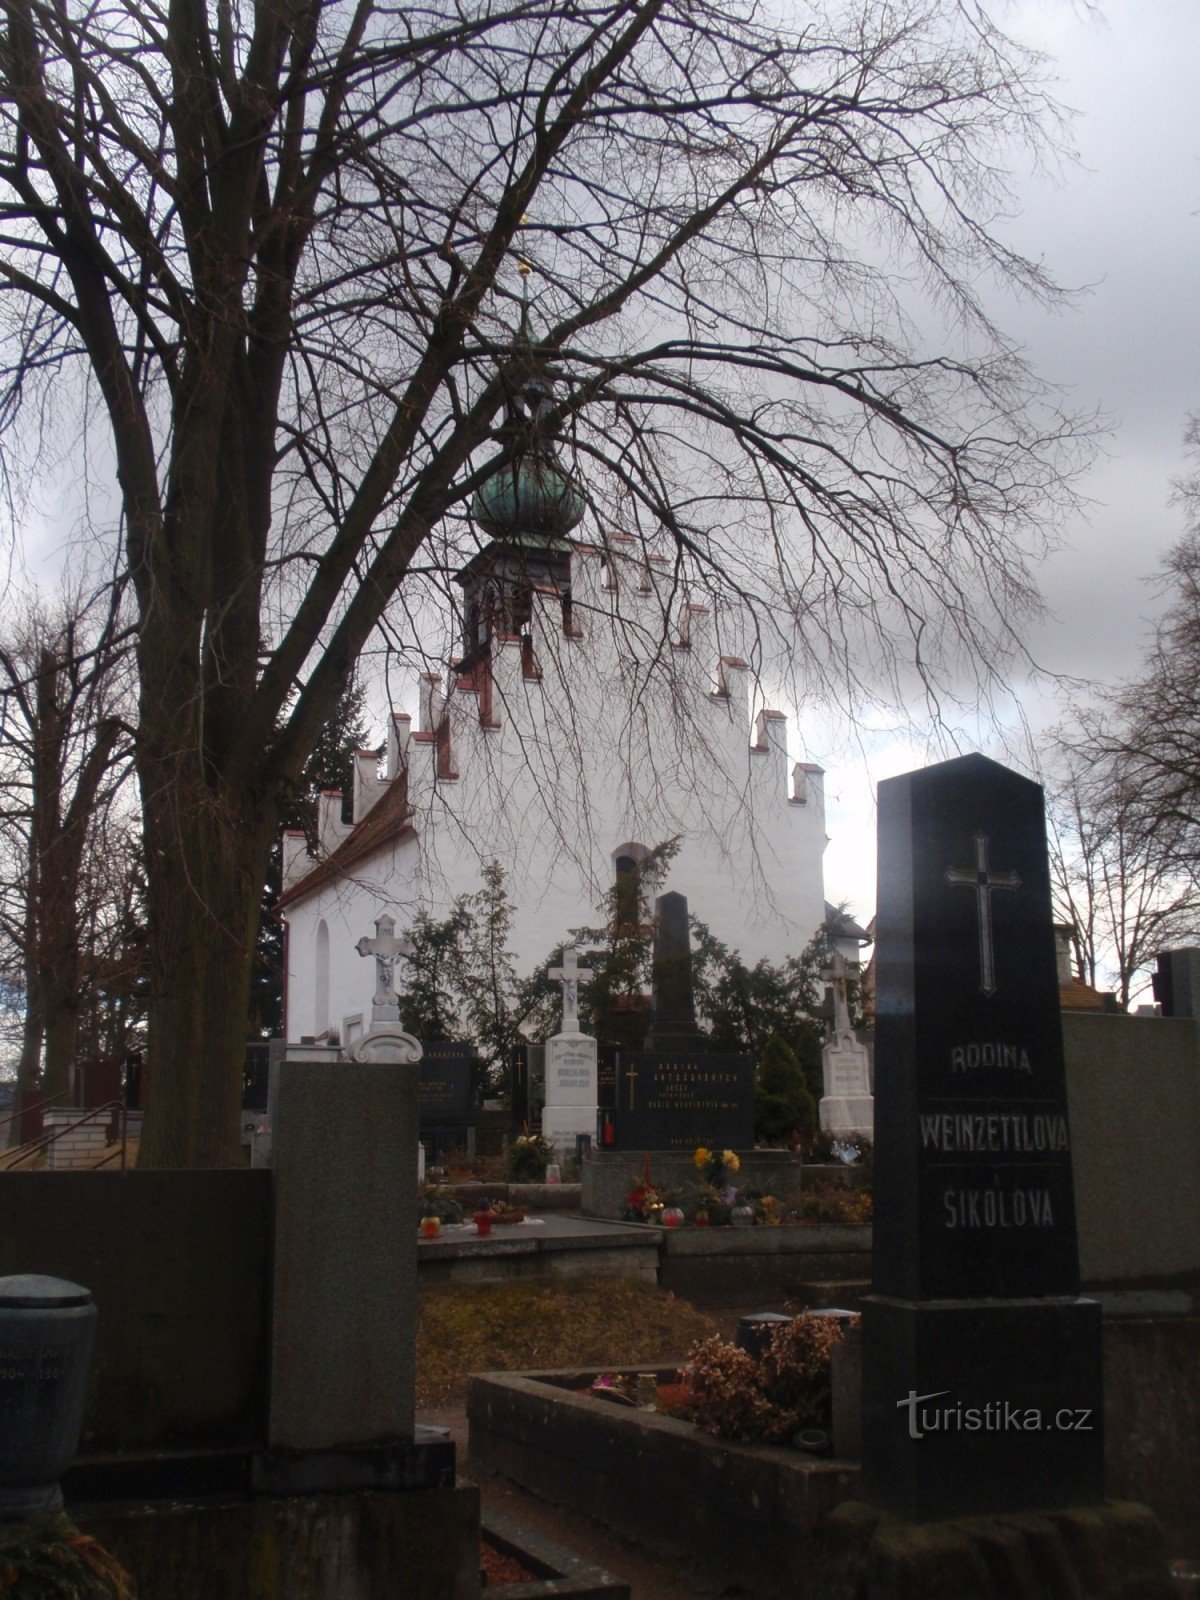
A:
[385,947]
[569,975]
[983,882]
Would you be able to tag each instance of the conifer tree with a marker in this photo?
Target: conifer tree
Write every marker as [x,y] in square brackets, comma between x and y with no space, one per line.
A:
[782,1103]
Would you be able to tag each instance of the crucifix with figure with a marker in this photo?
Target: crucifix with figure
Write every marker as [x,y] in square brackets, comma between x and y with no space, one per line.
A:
[385,947]
[984,882]
[569,975]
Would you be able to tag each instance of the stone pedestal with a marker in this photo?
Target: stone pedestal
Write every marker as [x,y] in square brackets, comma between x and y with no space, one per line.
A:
[974,1406]
[343,1332]
[847,1108]
[572,1098]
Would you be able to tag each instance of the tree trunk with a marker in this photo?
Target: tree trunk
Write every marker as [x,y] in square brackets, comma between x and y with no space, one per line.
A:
[202,939]
[62,1035]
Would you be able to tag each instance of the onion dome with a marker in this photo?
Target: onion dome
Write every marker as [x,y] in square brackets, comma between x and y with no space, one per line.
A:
[532,494]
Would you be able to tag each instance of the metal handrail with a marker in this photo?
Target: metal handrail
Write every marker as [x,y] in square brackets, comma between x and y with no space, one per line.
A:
[36,1146]
[61,1095]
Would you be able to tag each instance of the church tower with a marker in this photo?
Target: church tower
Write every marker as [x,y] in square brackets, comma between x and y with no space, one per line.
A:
[527,507]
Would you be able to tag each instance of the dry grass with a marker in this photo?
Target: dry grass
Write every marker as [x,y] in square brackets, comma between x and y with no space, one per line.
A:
[575,1323]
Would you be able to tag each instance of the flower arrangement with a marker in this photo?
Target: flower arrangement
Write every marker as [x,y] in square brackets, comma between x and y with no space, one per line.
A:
[645,1201]
[613,1386]
[733,1396]
[528,1156]
[717,1167]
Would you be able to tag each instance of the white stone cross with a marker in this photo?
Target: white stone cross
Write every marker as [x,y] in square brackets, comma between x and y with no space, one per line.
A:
[836,975]
[385,947]
[569,975]
[983,882]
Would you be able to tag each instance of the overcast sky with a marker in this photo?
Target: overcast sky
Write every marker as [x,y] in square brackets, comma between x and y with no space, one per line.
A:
[1127,222]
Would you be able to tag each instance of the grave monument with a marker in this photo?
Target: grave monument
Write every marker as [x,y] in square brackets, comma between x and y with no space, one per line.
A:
[342,1339]
[572,1095]
[975,1310]
[982,1396]
[678,1093]
[675,1094]
[847,1108]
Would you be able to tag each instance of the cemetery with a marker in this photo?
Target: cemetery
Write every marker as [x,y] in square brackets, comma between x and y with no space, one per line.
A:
[255,1379]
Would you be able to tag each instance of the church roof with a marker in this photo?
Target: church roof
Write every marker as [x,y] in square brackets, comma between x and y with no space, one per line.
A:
[388,821]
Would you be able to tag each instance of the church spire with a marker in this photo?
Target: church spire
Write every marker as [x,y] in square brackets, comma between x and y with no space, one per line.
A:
[532,497]
[527,507]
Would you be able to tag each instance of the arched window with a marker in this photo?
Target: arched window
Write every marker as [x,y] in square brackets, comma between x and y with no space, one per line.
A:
[321,985]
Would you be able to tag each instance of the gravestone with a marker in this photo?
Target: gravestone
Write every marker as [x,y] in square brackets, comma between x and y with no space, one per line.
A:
[677,1093]
[449,1105]
[343,1339]
[846,1109]
[446,1066]
[572,1092]
[981,1364]
[519,1086]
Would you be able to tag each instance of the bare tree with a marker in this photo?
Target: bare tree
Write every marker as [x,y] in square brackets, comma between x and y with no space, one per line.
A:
[278,241]
[67,753]
[1132,777]
[1116,861]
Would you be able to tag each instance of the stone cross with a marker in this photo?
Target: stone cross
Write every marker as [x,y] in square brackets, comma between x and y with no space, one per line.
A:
[836,975]
[984,883]
[569,975]
[385,947]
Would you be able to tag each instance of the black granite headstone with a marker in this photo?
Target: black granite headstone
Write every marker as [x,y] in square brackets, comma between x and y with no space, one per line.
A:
[974,1325]
[1177,982]
[681,1099]
[446,1079]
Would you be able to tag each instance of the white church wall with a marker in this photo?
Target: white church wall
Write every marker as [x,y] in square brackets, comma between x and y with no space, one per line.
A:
[619,740]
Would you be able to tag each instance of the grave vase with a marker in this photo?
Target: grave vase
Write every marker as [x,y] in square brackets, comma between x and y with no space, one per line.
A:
[46,1331]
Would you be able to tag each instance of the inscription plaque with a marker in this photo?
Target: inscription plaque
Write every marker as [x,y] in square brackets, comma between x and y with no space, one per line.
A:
[676,1101]
[446,1079]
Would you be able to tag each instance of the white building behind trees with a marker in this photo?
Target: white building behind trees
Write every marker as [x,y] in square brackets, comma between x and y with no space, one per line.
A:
[599,706]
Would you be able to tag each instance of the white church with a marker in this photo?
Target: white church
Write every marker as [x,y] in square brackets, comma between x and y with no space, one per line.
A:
[596,709]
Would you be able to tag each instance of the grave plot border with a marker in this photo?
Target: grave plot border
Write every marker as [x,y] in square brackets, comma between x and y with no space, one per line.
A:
[658,1480]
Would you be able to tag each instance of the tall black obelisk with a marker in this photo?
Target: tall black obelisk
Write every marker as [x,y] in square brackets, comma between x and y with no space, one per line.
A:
[981,1364]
